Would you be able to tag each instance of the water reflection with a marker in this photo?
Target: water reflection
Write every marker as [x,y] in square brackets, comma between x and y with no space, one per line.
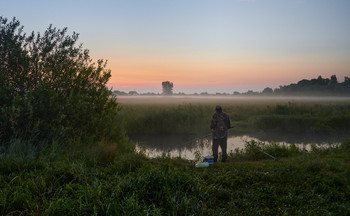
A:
[186,146]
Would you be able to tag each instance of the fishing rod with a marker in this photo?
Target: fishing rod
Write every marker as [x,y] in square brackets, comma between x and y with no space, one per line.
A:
[198,138]
[259,149]
[202,137]
[210,134]
[262,151]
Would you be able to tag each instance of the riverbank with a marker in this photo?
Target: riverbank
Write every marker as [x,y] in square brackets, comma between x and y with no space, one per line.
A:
[83,178]
[108,179]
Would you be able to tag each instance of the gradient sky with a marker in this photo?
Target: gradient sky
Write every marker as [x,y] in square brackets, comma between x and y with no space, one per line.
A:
[202,45]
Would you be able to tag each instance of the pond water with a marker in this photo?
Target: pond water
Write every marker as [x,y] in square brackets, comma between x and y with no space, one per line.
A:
[185,146]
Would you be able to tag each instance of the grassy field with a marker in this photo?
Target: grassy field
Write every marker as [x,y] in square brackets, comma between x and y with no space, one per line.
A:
[186,115]
[80,178]
[110,180]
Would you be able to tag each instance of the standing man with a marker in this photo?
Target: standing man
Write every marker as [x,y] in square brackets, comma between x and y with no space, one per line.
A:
[219,125]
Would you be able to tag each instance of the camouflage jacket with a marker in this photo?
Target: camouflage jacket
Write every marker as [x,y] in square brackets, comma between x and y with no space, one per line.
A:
[220,122]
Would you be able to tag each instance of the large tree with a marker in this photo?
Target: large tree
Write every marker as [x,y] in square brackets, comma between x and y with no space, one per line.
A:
[50,89]
[267,90]
[167,87]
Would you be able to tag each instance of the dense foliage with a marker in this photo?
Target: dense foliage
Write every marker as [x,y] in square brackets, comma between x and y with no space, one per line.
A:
[51,90]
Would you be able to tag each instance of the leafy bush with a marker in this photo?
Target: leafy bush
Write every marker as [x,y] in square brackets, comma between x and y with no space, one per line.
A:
[256,150]
[51,90]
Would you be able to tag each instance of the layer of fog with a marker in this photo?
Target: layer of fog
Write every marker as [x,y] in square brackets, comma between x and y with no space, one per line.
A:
[177,99]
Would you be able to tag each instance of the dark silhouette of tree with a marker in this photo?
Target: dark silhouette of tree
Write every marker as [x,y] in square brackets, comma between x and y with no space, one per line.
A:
[236,93]
[334,79]
[133,93]
[333,82]
[346,82]
[167,87]
[267,90]
[251,92]
[117,92]
[319,86]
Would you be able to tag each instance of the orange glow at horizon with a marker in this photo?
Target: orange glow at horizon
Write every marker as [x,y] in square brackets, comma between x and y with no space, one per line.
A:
[140,73]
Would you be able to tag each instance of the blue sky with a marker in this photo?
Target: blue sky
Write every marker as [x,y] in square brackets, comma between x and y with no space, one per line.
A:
[202,45]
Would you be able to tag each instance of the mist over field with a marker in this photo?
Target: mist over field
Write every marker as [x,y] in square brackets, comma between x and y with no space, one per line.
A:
[179,125]
[174,99]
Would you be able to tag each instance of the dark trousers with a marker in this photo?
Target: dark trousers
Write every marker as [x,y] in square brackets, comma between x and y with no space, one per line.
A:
[223,145]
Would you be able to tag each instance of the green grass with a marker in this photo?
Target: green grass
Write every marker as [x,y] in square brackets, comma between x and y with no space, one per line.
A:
[288,117]
[155,119]
[87,178]
[100,180]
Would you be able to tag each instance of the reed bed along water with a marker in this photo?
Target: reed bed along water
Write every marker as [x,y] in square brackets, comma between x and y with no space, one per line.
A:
[180,116]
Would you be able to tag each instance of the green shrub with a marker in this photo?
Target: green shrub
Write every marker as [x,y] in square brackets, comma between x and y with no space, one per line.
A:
[51,90]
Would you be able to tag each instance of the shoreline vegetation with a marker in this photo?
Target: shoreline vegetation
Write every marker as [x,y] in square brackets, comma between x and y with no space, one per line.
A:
[65,150]
[103,179]
[111,178]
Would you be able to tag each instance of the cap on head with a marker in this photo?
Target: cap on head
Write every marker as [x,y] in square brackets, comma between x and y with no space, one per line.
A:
[218,108]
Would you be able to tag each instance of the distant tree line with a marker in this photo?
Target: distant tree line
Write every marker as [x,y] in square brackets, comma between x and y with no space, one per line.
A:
[313,87]
[320,86]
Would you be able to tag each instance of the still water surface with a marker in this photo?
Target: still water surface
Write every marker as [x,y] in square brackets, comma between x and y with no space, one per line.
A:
[186,146]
